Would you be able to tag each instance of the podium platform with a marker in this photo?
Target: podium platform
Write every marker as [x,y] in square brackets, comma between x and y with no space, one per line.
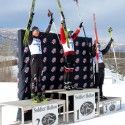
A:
[85,105]
[25,105]
[75,93]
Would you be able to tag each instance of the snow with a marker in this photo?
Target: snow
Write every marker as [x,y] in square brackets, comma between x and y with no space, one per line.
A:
[8,92]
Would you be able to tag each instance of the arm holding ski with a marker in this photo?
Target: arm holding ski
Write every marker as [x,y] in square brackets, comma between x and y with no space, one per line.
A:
[76,33]
[104,51]
[62,34]
[50,25]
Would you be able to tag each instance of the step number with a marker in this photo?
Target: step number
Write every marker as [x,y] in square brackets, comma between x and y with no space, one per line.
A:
[78,114]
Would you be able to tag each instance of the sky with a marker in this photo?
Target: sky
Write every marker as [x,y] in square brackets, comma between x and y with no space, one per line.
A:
[15,13]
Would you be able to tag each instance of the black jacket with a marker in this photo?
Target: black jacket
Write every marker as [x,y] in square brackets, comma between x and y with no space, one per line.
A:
[104,51]
[40,36]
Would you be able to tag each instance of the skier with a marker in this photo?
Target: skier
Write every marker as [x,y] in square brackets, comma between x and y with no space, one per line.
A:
[99,76]
[68,52]
[37,94]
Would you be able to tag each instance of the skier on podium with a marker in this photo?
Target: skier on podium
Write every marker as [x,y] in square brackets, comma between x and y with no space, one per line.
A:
[67,42]
[35,47]
[99,76]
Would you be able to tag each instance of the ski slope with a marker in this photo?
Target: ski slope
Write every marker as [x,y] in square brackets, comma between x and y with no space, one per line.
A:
[8,92]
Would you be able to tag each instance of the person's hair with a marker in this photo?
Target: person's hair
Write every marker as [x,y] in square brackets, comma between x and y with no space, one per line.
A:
[35,28]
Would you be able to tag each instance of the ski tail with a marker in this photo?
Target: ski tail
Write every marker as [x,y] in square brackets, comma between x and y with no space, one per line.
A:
[110,32]
[27,32]
[115,58]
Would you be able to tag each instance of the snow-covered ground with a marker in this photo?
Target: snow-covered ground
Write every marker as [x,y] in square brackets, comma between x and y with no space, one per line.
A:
[8,92]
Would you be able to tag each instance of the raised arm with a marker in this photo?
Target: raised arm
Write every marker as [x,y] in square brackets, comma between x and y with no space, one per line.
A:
[104,51]
[50,23]
[76,33]
[62,34]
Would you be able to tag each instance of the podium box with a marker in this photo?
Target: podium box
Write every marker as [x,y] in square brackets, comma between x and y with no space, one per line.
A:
[110,105]
[25,105]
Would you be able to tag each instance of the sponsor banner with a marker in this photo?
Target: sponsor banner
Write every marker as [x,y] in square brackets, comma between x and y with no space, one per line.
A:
[45,115]
[84,106]
[109,107]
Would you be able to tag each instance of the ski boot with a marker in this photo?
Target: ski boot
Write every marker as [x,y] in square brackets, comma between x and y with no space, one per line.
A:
[44,97]
[68,86]
[34,97]
[41,97]
[103,98]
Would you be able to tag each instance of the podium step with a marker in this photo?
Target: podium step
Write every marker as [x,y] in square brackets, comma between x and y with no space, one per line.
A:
[110,105]
[19,123]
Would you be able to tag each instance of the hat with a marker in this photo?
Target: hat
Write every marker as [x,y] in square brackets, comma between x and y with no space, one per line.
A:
[69,31]
[35,28]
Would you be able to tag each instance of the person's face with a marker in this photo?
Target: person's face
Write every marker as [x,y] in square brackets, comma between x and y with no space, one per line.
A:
[35,33]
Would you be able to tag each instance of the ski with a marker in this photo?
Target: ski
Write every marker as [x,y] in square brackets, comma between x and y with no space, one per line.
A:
[30,20]
[96,42]
[64,22]
[110,33]
[78,10]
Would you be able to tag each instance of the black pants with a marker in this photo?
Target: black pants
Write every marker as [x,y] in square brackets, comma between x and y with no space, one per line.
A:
[99,80]
[36,72]
[36,84]
[69,63]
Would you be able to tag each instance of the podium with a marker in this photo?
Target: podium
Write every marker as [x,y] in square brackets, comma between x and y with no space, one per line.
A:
[82,99]
[25,105]
[86,106]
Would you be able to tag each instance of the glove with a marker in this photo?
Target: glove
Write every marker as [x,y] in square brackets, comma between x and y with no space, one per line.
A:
[81,25]
[111,40]
[50,14]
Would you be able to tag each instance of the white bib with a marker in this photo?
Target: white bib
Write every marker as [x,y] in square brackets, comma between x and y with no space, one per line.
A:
[71,46]
[100,59]
[35,47]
